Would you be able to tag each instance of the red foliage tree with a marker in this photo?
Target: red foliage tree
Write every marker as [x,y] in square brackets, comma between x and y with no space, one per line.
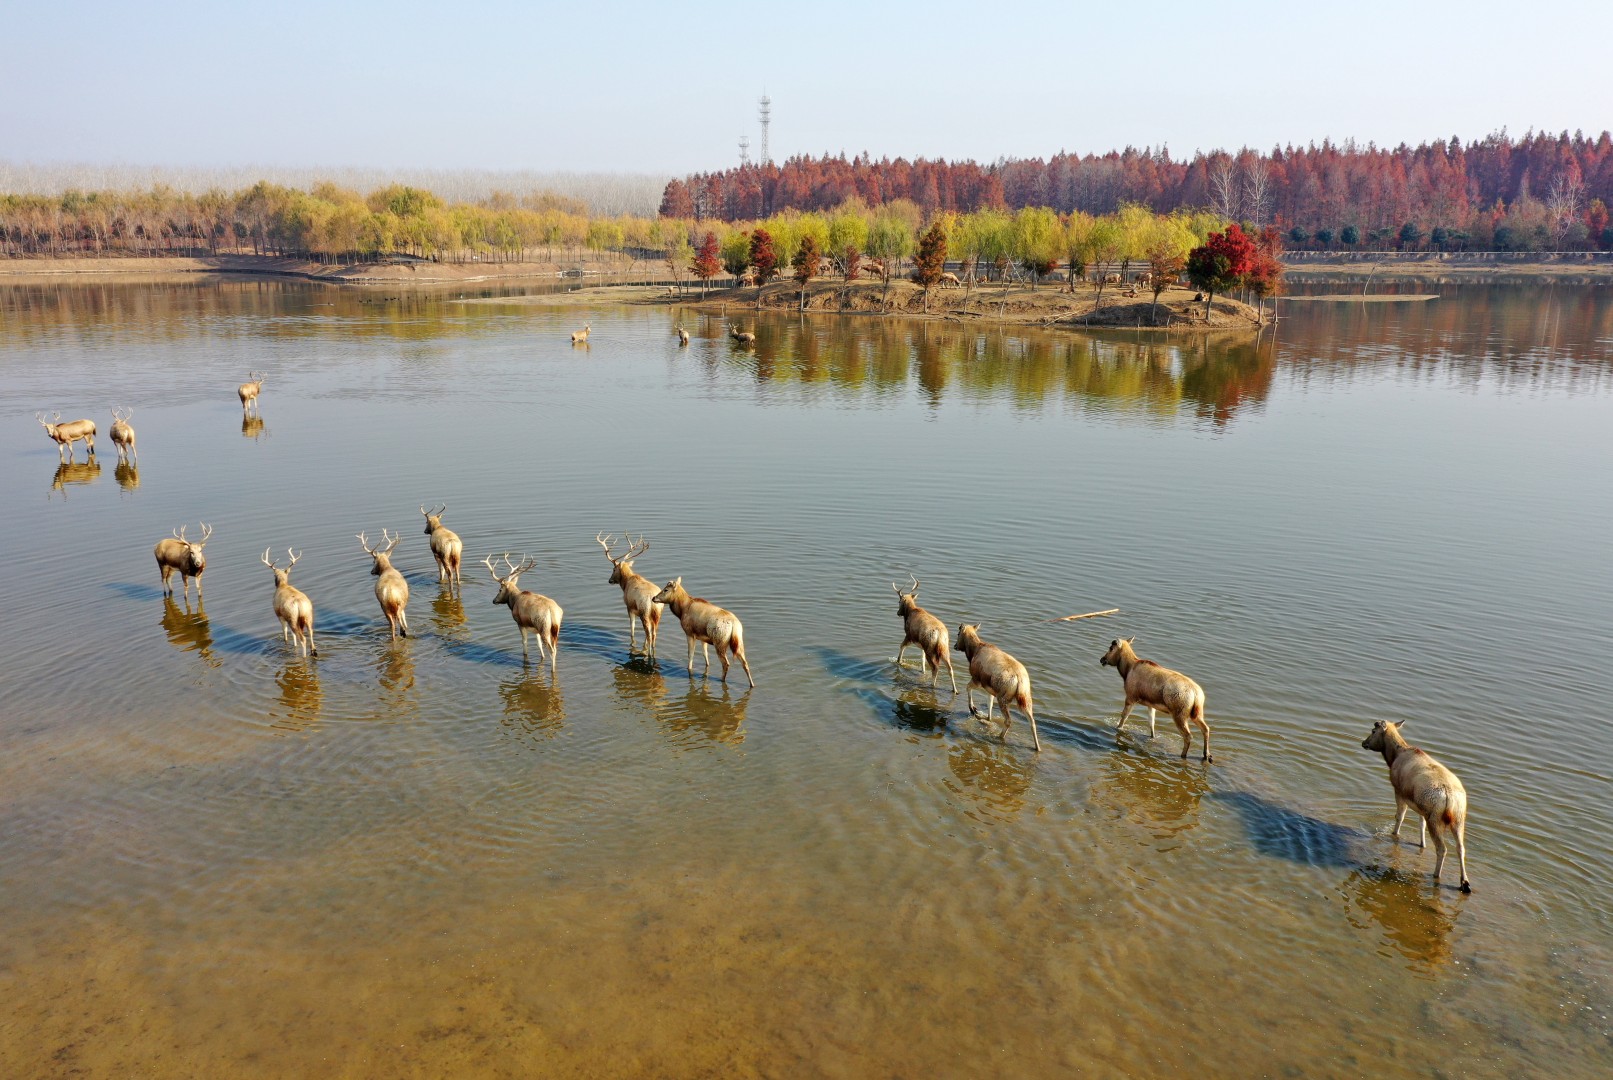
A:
[853,262]
[805,264]
[675,201]
[763,259]
[1220,263]
[931,261]
[707,260]
[1265,274]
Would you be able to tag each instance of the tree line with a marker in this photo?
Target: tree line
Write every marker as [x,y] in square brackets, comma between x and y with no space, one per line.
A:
[1538,192]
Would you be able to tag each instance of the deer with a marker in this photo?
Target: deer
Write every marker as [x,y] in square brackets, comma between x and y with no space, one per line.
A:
[292,606]
[708,624]
[391,591]
[921,628]
[177,554]
[683,336]
[638,592]
[1423,784]
[949,280]
[122,434]
[1154,687]
[446,546]
[531,611]
[1003,678]
[580,337]
[65,435]
[743,337]
[250,390]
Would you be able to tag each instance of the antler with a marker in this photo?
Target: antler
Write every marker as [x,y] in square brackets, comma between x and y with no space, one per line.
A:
[606,542]
[179,534]
[207,531]
[514,570]
[266,562]
[489,562]
[914,591]
[390,541]
[365,544]
[294,558]
[434,513]
[635,548]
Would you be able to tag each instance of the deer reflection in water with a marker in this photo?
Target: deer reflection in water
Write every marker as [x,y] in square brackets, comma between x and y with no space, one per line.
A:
[75,472]
[301,697]
[638,680]
[448,614]
[394,667]
[1152,792]
[534,708]
[188,630]
[919,708]
[127,476]
[1415,920]
[706,717]
[252,426]
[991,775]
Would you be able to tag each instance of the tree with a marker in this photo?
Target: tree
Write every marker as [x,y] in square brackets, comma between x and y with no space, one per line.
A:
[1409,236]
[805,264]
[675,201]
[890,237]
[1298,234]
[852,259]
[1324,237]
[736,254]
[1163,268]
[707,261]
[1077,244]
[932,259]
[1350,235]
[1265,274]
[1037,239]
[678,254]
[1220,263]
[762,259]
[1103,242]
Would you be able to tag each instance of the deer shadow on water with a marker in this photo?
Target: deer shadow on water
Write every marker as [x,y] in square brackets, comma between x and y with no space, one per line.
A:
[902,698]
[1281,832]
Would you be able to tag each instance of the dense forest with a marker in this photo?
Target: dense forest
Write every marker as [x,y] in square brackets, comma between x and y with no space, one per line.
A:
[1537,193]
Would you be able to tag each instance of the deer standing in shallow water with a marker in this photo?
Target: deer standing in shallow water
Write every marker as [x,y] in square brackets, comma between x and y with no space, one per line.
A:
[177,554]
[1424,785]
[531,611]
[446,547]
[580,337]
[65,435]
[391,591]
[921,628]
[1155,687]
[292,606]
[122,434]
[638,592]
[250,390]
[1003,678]
[683,336]
[708,624]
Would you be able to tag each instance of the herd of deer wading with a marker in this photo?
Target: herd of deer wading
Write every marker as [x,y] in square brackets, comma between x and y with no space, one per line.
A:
[1419,782]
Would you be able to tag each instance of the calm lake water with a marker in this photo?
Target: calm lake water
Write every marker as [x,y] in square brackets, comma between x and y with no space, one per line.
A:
[427,859]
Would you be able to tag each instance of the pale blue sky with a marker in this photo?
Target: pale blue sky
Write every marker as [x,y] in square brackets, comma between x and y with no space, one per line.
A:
[650,87]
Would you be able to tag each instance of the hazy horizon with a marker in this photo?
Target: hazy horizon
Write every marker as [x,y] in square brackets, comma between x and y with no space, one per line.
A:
[646,91]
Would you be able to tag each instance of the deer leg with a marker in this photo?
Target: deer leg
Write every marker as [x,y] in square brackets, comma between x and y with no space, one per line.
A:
[632,630]
[691,655]
[1153,731]
[950,674]
[705,652]
[554,651]
[900,652]
[1439,854]
[1461,852]
[740,652]
[1401,807]
[285,631]
[1204,730]
[1125,712]
[1422,831]
[1030,714]
[1187,736]
[403,617]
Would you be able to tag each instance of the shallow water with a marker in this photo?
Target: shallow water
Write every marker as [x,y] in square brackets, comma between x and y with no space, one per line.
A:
[427,858]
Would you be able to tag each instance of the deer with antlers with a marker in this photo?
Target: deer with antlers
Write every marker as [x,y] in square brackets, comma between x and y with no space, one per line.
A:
[122,434]
[446,547]
[250,390]
[683,335]
[65,435]
[921,628]
[531,611]
[638,592]
[176,554]
[708,624]
[292,606]
[391,591]
[580,337]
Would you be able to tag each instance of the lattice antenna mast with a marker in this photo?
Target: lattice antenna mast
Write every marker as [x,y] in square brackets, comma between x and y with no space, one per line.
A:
[744,151]
[766,114]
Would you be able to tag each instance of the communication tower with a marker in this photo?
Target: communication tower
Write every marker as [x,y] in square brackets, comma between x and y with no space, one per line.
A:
[744,151]
[766,114]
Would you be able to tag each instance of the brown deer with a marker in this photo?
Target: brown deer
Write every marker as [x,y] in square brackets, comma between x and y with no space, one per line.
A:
[1155,687]
[250,390]
[708,624]
[1423,784]
[683,336]
[743,337]
[580,337]
[292,606]
[391,591]
[122,434]
[177,554]
[531,611]
[1003,678]
[65,435]
[949,280]
[921,628]
[638,592]
[446,546]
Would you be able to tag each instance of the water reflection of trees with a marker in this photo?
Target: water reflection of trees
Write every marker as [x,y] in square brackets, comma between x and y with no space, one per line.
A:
[1213,378]
[1412,915]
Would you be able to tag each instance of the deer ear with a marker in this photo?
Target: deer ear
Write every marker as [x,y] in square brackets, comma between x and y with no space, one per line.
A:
[1131,639]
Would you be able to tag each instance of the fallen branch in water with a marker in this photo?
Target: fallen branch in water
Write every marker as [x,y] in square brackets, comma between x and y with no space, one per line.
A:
[1088,615]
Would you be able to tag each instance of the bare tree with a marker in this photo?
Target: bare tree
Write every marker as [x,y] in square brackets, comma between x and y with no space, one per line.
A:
[1563,200]
[1257,192]
[1224,187]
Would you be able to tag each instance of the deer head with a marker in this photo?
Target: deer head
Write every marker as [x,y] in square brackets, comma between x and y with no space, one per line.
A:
[381,555]
[434,518]
[50,428]
[281,573]
[193,548]
[621,565]
[906,601]
[508,581]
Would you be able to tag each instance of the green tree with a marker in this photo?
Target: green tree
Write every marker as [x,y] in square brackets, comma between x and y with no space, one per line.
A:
[1078,244]
[1037,238]
[1104,244]
[736,254]
[1350,235]
[1410,236]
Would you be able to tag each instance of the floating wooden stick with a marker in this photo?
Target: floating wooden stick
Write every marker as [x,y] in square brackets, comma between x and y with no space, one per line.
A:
[1088,615]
